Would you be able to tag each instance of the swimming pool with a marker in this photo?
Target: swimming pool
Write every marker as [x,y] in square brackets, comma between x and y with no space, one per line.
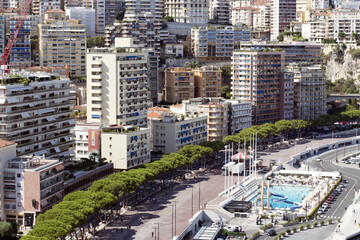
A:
[285,196]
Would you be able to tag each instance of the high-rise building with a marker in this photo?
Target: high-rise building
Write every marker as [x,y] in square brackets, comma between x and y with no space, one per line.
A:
[343,21]
[309,91]
[62,42]
[219,11]
[117,87]
[29,185]
[283,12]
[35,113]
[187,11]
[217,44]
[257,77]
[2,34]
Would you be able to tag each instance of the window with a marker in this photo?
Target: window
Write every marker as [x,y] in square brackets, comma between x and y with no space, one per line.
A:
[19,204]
[110,138]
[110,146]
[110,154]
[18,175]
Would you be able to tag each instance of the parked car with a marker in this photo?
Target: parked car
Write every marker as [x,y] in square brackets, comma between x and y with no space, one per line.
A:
[318,160]
[272,232]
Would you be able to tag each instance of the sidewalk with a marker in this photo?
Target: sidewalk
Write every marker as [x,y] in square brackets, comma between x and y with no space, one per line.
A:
[350,222]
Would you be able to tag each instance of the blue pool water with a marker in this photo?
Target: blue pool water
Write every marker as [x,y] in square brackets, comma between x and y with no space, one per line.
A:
[285,196]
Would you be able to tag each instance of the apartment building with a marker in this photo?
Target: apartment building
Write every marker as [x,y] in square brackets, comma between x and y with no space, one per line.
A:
[309,91]
[218,120]
[319,4]
[20,57]
[87,140]
[187,11]
[62,42]
[86,16]
[171,132]
[219,11]
[344,21]
[125,146]
[173,49]
[315,31]
[257,78]
[35,113]
[207,81]
[237,118]
[217,44]
[29,185]
[117,85]
[40,7]
[243,15]
[2,34]
[239,115]
[179,84]
[283,12]
[142,27]
[294,51]
[287,96]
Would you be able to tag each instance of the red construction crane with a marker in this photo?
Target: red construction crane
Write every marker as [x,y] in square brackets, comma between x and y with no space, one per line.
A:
[13,36]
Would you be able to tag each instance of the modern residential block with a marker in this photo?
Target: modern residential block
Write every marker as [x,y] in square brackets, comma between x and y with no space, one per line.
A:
[87,140]
[126,147]
[219,11]
[343,21]
[35,113]
[283,12]
[62,42]
[40,7]
[309,91]
[257,78]
[171,132]
[86,16]
[217,44]
[207,81]
[29,185]
[117,85]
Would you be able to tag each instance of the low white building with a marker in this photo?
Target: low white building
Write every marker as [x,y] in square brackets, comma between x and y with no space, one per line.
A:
[240,116]
[171,132]
[125,146]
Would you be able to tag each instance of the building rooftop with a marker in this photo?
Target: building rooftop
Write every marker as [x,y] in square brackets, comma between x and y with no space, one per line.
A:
[30,162]
[4,143]
[27,77]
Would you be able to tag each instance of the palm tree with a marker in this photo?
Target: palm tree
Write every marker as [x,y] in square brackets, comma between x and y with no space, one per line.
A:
[341,35]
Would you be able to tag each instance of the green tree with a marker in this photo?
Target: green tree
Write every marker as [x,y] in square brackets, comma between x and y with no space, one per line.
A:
[168,19]
[341,35]
[225,91]
[355,36]
[192,65]
[283,126]
[6,230]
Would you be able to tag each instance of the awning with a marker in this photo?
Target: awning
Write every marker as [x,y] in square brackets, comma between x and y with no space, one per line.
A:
[43,202]
[67,138]
[57,149]
[25,115]
[53,141]
[240,155]
[12,100]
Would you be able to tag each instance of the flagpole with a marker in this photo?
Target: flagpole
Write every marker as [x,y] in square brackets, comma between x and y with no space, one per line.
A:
[244,156]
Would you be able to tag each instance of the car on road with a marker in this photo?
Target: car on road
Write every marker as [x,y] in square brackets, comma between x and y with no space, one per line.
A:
[321,211]
[318,160]
[328,201]
[272,232]
[325,205]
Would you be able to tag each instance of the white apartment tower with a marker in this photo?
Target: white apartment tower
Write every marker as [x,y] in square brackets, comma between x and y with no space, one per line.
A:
[117,85]
[35,113]
[283,12]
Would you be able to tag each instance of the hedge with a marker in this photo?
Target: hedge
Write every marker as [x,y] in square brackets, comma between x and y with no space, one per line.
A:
[266,226]
[254,236]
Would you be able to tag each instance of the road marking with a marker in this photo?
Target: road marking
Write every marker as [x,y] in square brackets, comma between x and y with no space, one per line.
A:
[345,189]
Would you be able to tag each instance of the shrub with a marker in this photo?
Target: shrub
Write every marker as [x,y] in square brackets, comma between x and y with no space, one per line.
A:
[338,220]
[322,223]
[301,227]
[294,229]
[276,238]
[308,225]
[264,216]
[283,233]
[355,54]
[315,224]
[329,221]
[266,226]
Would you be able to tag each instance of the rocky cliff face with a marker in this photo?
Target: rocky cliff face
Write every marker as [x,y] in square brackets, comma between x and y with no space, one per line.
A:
[340,64]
